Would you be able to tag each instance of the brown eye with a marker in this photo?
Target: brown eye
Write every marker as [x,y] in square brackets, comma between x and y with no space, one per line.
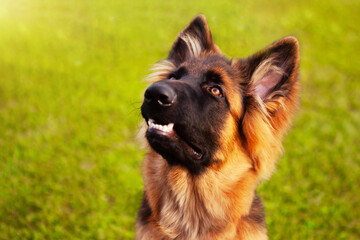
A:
[216,91]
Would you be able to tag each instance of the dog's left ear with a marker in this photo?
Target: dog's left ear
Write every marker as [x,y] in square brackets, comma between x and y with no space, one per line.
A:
[271,97]
[195,39]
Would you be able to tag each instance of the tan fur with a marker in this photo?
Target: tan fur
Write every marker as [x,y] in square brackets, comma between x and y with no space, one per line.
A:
[233,90]
[193,44]
[160,70]
[266,122]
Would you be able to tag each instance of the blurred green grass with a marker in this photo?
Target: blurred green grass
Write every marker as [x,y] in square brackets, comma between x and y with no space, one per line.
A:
[70,92]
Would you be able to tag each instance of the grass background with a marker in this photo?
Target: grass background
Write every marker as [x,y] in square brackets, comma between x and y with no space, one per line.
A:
[70,92]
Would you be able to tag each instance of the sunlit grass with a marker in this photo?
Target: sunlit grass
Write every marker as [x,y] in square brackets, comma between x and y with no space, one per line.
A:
[70,90]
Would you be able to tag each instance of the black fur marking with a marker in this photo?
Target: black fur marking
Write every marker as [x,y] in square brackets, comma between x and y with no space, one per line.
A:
[214,77]
[256,215]
[145,211]
[178,73]
[179,52]
[197,30]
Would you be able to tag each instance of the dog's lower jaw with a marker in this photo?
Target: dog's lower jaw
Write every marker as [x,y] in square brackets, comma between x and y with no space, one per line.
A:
[210,206]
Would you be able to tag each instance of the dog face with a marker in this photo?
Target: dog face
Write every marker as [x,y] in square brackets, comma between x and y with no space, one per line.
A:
[200,104]
[186,111]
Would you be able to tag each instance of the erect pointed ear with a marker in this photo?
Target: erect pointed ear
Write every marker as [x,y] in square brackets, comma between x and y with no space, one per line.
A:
[194,40]
[271,88]
[274,69]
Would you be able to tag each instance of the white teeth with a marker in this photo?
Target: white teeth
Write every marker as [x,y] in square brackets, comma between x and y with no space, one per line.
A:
[164,128]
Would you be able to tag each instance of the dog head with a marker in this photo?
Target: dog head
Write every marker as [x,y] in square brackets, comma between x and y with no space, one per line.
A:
[202,107]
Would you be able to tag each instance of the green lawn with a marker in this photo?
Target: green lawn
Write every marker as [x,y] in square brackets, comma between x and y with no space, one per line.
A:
[71,87]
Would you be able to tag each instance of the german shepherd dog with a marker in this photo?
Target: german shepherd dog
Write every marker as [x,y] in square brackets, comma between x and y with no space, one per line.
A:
[214,128]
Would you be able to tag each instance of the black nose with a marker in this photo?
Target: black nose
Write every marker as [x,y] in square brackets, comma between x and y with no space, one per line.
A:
[161,94]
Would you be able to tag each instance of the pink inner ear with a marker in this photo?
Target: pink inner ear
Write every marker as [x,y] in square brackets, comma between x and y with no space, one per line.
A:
[264,85]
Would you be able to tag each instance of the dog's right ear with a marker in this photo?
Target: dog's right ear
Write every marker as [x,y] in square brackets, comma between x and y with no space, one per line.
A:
[194,40]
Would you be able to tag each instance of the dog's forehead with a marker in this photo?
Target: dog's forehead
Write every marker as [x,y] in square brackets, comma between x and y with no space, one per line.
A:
[200,65]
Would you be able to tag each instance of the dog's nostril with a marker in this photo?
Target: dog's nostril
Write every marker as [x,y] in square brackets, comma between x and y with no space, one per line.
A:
[160,94]
[165,100]
[148,96]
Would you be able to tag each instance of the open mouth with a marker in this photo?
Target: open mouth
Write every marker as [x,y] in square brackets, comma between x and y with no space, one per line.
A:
[167,132]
